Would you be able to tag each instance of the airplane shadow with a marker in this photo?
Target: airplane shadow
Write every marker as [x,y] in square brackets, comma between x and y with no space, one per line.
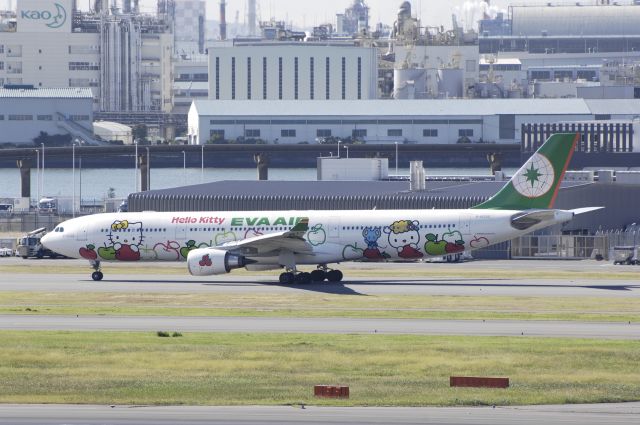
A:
[351,287]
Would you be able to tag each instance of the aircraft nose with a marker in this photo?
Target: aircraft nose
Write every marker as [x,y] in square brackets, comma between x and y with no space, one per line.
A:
[50,240]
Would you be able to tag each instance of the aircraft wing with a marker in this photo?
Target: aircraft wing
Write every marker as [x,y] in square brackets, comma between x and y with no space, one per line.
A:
[291,240]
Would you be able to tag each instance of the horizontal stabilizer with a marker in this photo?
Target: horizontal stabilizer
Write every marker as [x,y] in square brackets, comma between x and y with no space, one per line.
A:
[527,219]
[585,210]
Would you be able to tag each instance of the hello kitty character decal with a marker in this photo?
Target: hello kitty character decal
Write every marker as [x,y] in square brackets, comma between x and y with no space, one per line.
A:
[124,241]
[404,237]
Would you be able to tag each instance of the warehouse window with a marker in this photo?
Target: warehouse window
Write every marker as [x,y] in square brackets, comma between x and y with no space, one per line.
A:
[45,118]
[465,132]
[1,65]
[323,133]
[311,79]
[360,132]
[217,78]
[394,132]
[249,78]
[327,66]
[233,78]
[287,133]
[280,78]
[344,78]
[264,77]
[359,78]
[295,78]
[252,133]
[216,134]
[430,132]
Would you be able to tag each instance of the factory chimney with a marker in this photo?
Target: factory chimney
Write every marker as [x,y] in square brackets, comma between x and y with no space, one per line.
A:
[126,6]
[136,6]
[223,20]
[251,18]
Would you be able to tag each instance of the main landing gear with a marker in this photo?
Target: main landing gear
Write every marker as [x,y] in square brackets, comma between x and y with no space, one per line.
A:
[97,274]
[320,275]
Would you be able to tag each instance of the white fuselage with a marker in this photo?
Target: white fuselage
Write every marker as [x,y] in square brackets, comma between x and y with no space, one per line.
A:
[334,236]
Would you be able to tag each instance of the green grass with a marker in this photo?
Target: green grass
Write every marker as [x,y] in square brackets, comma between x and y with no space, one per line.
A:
[324,305]
[278,369]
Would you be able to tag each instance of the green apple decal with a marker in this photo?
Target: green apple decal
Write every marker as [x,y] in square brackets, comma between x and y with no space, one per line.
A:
[316,235]
[184,251]
[225,237]
[433,246]
[107,253]
[352,252]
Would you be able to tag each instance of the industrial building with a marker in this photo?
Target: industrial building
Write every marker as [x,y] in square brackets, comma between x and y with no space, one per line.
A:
[123,57]
[26,111]
[402,121]
[292,71]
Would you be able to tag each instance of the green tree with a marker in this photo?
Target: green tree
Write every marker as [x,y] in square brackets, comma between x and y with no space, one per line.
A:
[140,132]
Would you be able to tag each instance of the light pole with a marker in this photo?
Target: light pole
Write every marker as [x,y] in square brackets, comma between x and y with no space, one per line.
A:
[184,168]
[42,173]
[148,177]
[37,178]
[136,178]
[339,141]
[202,163]
[73,178]
[347,148]
[396,158]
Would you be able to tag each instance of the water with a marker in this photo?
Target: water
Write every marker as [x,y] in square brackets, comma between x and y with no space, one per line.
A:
[95,183]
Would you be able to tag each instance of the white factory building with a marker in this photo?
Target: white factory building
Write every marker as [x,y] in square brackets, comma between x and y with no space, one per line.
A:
[292,71]
[24,113]
[125,60]
[436,121]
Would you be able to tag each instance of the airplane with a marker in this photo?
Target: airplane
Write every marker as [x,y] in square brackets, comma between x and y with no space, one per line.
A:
[215,243]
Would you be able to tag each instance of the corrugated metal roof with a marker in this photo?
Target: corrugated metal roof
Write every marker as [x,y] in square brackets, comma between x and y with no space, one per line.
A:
[333,188]
[586,20]
[412,108]
[112,126]
[50,93]
[614,106]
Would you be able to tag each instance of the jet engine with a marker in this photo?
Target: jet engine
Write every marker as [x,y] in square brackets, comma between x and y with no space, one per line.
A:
[209,261]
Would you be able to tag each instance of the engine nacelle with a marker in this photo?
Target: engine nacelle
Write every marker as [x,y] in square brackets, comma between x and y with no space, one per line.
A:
[210,261]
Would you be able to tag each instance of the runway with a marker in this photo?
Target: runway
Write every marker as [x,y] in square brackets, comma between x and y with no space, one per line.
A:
[611,414]
[158,282]
[529,328]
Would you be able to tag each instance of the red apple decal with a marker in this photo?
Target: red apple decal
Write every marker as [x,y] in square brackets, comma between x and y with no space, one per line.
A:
[479,242]
[205,261]
[89,252]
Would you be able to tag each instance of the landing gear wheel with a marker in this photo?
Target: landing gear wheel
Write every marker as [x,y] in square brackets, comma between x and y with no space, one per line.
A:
[334,276]
[97,276]
[318,275]
[303,278]
[287,278]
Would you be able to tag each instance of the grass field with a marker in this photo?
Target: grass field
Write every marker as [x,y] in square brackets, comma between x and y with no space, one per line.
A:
[323,305]
[277,369]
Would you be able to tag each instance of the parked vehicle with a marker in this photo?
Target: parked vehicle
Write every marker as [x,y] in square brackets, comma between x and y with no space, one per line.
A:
[6,252]
[29,245]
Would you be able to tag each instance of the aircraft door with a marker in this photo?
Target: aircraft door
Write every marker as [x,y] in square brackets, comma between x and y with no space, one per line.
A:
[464,226]
[81,234]
[334,227]
[181,232]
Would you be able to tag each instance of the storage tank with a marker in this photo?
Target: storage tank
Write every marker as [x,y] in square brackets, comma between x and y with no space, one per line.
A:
[409,83]
[450,82]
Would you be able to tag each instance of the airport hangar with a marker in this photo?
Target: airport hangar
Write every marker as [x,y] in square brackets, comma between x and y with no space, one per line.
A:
[435,121]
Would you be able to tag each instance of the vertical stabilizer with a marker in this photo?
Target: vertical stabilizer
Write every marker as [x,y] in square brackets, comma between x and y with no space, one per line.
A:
[535,185]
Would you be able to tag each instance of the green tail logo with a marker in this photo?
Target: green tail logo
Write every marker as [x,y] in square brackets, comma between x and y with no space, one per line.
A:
[535,185]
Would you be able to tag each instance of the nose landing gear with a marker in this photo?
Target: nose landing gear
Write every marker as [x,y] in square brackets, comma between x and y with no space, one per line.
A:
[97,274]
